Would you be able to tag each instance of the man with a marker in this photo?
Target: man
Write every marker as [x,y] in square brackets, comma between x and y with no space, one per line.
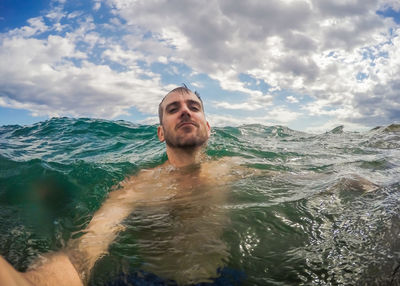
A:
[185,130]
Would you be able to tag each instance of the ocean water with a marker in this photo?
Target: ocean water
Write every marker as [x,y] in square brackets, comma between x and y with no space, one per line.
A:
[321,209]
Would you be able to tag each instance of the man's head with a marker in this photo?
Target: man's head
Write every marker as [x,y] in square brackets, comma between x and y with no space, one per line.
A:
[181,89]
[182,119]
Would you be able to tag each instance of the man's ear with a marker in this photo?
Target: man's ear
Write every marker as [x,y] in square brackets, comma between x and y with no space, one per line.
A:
[208,129]
[160,133]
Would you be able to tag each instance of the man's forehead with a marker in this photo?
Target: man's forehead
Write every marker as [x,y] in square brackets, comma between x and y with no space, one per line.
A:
[179,96]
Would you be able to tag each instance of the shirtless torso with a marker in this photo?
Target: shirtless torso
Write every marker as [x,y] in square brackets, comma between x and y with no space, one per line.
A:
[189,246]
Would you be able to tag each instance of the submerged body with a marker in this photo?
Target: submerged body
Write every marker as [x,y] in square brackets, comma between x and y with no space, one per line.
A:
[186,247]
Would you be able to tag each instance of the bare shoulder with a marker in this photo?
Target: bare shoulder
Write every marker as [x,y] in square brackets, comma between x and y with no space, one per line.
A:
[240,168]
[144,174]
[221,166]
[137,187]
[230,169]
[228,162]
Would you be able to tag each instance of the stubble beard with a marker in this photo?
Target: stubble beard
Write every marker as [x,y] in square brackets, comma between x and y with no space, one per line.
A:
[186,141]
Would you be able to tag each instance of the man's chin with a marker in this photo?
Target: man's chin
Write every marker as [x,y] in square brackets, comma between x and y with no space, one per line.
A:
[187,143]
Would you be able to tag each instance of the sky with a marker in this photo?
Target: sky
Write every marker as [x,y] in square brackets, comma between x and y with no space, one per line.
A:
[310,65]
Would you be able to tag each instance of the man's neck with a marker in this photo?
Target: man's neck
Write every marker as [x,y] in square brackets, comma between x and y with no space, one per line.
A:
[181,157]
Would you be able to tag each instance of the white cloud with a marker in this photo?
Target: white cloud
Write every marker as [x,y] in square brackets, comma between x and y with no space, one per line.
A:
[149,120]
[217,120]
[197,84]
[341,54]
[228,80]
[394,4]
[237,106]
[36,26]
[51,76]
[254,102]
[74,14]
[310,47]
[292,99]
[56,14]
[278,115]
[96,5]
[282,115]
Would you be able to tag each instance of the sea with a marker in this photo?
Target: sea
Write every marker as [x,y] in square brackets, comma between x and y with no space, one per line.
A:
[321,209]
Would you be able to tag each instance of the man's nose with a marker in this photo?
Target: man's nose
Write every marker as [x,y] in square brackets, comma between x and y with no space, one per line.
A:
[185,112]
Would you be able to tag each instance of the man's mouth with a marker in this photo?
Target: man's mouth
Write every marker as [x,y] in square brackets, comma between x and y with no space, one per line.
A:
[184,123]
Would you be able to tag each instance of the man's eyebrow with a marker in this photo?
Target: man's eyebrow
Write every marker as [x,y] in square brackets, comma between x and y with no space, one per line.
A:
[176,103]
[191,101]
[172,104]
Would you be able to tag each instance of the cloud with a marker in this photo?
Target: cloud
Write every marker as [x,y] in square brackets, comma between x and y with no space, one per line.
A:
[36,26]
[278,115]
[53,76]
[393,4]
[74,14]
[96,5]
[341,55]
[254,102]
[292,99]
[314,48]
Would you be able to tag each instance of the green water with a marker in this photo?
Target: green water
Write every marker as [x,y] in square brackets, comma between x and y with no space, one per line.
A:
[308,224]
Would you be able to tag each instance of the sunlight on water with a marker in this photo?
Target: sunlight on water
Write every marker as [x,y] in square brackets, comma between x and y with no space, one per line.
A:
[311,209]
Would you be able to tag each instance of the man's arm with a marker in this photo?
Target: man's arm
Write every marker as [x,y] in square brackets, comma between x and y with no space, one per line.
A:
[72,266]
[101,231]
[10,276]
[58,270]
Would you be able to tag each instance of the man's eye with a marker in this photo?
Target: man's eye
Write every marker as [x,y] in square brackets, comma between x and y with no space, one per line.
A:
[194,108]
[172,110]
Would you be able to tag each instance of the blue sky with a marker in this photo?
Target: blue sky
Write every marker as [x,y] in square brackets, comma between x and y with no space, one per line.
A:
[307,64]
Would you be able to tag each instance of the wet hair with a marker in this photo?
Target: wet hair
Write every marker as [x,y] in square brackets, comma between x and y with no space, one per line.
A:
[183,90]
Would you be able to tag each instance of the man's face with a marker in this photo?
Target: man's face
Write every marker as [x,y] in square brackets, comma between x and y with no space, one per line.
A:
[183,122]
